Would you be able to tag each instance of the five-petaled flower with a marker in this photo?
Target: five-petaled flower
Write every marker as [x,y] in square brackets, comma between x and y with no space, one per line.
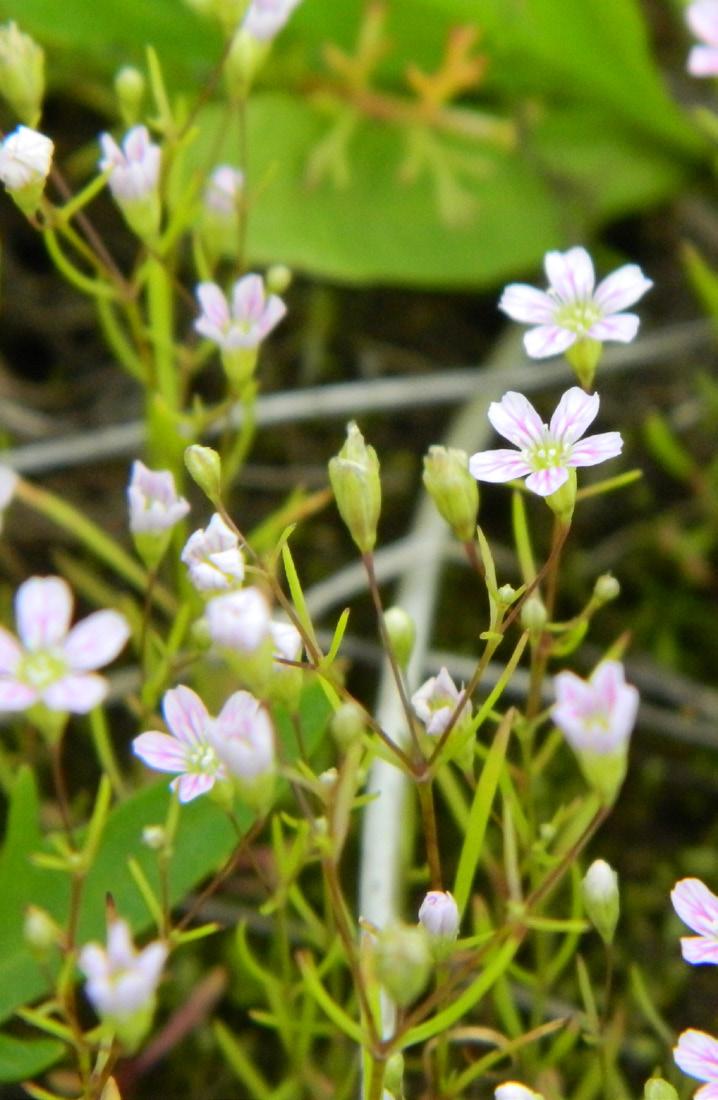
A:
[571,309]
[121,982]
[239,620]
[265,18]
[222,192]
[697,907]
[244,739]
[53,664]
[213,558]
[153,502]
[436,701]
[596,715]
[134,166]
[188,750]
[252,316]
[546,453]
[696,1053]
[702,18]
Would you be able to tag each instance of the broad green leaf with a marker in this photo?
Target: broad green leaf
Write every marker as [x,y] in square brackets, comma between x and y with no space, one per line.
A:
[24,1058]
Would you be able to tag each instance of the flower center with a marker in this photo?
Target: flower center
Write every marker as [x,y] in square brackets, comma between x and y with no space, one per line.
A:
[202,759]
[42,668]
[548,454]
[577,317]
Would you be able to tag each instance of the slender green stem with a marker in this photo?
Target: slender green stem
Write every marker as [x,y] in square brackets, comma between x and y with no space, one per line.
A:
[431,839]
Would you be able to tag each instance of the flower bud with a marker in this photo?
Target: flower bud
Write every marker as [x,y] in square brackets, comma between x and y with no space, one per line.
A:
[506,594]
[111,1091]
[402,633]
[584,357]
[452,488]
[245,58]
[278,278]
[154,837]
[601,898]
[403,962]
[22,73]
[512,1090]
[439,915]
[658,1089]
[348,724]
[394,1075]
[40,931]
[533,615]
[606,588]
[130,87]
[562,502]
[354,474]
[25,162]
[204,466]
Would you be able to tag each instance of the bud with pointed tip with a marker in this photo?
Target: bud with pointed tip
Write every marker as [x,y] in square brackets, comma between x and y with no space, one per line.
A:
[658,1089]
[439,915]
[22,73]
[354,474]
[403,961]
[204,466]
[453,489]
[601,898]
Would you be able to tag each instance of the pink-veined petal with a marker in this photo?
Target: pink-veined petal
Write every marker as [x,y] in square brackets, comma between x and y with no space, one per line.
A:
[525,303]
[214,305]
[160,751]
[696,905]
[515,418]
[570,274]
[703,61]
[702,18]
[698,950]
[96,640]
[621,327]
[185,714]
[548,340]
[622,288]
[500,465]
[192,785]
[696,1053]
[274,312]
[574,412]
[707,1092]
[545,482]
[248,298]
[595,448]
[10,651]
[76,694]
[43,607]
[15,695]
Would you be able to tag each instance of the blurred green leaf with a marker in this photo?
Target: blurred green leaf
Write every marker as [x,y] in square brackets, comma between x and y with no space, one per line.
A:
[23,1058]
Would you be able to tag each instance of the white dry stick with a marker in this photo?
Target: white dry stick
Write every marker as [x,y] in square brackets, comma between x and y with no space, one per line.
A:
[385,837]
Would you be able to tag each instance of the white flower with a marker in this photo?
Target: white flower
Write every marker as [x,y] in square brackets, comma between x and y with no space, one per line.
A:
[265,18]
[253,315]
[436,700]
[512,1090]
[702,18]
[546,451]
[240,620]
[439,914]
[596,715]
[121,982]
[213,558]
[287,640]
[188,750]
[243,738]
[571,310]
[25,159]
[153,502]
[52,663]
[134,168]
[222,191]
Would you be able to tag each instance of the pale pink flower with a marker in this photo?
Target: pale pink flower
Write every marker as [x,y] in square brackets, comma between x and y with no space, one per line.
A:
[121,982]
[240,620]
[702,18]
[696,1053]
[571,310]
[243,737]
[213,558]
[697,907]
[188,750]
[222,191]
[596,715]
[265,18]
[546,452]
[25,158]
[439,914]
[153,502]
[287,640]
[252,316]
[134,168]
[53,664]
[436,700]
[512,1090]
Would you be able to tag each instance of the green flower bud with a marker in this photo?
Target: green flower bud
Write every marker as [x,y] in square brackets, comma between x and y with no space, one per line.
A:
[354,474]
[452,488]
[402,633]
[584,356]
[22,73]
[245,58]
[154,837]
[606,588]
[40,931]
[562,502]
[403,961]
[658,1089]
[205,468]
[533,615]
[278,279]
[394,1075]
[130,87]
[601,898]
[348,724]
[506,594]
